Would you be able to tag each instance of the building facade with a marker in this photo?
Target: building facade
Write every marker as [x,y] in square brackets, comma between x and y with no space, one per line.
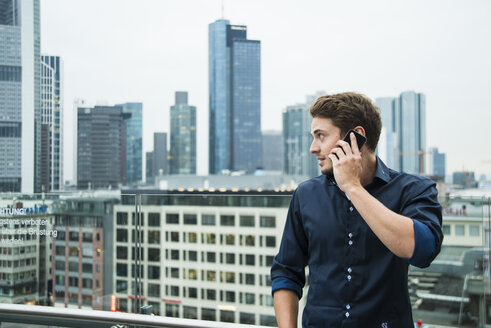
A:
[297,159]
[20,104]
[203,256]
[52,117]
[160,160]
[234,99]
[101,139]
[273,151]
[404,120]
[182,136]
[134,142]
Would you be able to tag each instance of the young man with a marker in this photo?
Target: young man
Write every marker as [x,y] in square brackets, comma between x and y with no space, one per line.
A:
[357,227]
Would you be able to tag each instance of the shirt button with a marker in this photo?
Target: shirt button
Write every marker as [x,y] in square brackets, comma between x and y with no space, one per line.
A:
[348,307]
[350,242]
[349,277]
[350,235]
[347,314]
[349,270]
[351,209]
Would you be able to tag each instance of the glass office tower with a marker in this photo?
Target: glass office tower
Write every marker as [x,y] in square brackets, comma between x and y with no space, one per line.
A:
[234,99]
[134,142]
[20,105]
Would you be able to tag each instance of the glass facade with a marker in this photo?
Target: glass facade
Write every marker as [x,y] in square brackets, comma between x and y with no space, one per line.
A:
[134,142]
[234,99]
[182,136]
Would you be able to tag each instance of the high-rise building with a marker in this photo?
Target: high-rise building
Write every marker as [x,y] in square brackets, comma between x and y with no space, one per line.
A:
[436,164]
[52,118]
[134,142]
[272,151]
[149,174]
[160,161]
[20,105]
[404,121]
[182,136]
[234,99]
[101,147]
[464,179]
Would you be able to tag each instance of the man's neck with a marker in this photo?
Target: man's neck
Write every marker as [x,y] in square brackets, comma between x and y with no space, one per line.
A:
[369,163]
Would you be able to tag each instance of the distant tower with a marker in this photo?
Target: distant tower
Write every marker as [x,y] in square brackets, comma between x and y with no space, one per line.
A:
[20,103]
[404,122]
[101,147]
[52,120]
[134,142]
[273,151]
[160,162]
[182,136]
[234,99]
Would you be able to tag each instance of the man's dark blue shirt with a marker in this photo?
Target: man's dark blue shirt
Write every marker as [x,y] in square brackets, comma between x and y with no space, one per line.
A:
[354,280]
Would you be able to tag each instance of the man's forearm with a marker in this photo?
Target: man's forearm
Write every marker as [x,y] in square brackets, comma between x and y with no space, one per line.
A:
[395,231]
[286,308]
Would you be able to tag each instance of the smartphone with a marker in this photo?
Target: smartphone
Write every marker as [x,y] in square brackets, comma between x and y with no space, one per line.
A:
[360,139]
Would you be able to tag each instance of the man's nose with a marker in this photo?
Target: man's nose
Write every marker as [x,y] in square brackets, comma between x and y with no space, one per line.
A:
[314,148]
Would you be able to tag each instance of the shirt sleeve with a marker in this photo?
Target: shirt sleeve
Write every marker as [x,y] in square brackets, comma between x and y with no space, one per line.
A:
[288,268]
[422,206]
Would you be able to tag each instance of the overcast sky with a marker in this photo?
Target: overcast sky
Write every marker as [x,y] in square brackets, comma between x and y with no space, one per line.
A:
[117,51]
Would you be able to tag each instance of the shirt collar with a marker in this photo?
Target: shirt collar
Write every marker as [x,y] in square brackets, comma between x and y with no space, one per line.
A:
[382,171]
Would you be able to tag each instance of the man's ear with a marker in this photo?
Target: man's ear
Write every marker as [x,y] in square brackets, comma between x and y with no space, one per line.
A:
[360,130]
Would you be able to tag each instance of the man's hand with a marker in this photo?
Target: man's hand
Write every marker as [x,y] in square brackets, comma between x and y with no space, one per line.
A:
[346,163]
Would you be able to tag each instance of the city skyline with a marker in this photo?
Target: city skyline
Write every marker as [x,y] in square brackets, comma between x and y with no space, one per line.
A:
[390,49]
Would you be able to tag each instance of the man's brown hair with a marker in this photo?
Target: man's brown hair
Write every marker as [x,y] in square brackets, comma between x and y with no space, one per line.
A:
[348,110]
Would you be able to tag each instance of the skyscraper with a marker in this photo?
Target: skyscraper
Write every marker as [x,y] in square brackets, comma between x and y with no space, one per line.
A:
[101,147]
[297,159]
[134,143]
[404,121]
[20,110]
[182,136]
[160,161]
[436,163]
[234,99]
[52,118]
[272,151]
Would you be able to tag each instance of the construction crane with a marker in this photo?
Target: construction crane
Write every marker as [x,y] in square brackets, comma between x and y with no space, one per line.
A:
[420,153]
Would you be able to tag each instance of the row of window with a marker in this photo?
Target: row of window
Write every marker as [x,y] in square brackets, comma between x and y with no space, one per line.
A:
[192,238]
[76,236]
[17,250]
[17,263]
[18,275]
[205,220]
[459,230]
[74,266]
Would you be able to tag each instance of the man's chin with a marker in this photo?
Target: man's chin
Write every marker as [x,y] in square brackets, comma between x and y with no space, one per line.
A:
[326,170]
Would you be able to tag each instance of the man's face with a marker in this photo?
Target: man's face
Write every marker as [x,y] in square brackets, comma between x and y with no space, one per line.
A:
[325,134]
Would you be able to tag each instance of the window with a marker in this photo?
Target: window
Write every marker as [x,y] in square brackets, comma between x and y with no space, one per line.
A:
[268,222]
[446,229]
[174,290]
[474,231]
[247,318]
[153,290]
[122,218]
[193,256]
[208,219]
[193,292]
[229,239]
[250,298]
[227,220]
[211,257]
[153,272]
[211,275]
[122,252]
[174,236]
[190,219]
[121,286]
[193,274]
[154,219]
[211,294]
[172,310]
[153,237]
[121,270]
[250,259]
[227,316]
[190,312]
[230,277]
[208,314]
[230,258]
[247,221]
[172,218]
[459,230]
[73,235]
[192,237]
[208,238]
[153,254]
[87,268]
[174,273]
[174,254]
[267,320]
[122,235]
[270,241]
[230,296]
[250,240]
